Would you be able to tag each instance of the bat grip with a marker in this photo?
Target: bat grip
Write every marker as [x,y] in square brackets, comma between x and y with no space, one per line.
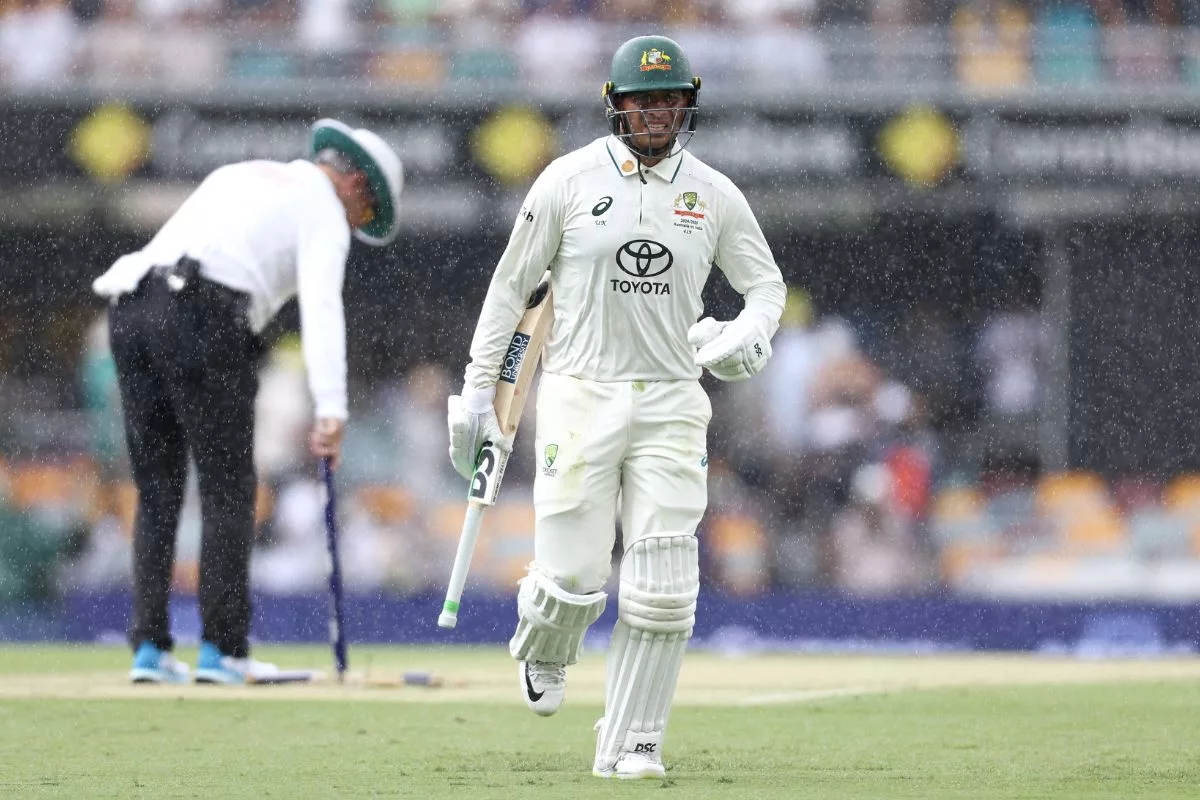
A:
[462,563]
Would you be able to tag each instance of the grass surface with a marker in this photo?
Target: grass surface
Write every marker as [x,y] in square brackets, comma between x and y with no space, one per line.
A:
[1133,739]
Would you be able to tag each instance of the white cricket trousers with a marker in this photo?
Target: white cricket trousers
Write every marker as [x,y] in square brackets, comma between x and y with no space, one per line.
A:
[642,444]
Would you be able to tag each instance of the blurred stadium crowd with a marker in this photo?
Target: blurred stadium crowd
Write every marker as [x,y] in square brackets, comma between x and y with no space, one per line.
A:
[826,472]
[988,44]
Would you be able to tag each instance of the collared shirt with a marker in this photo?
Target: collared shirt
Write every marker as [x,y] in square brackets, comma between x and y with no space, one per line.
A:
[629,249]
[273,231]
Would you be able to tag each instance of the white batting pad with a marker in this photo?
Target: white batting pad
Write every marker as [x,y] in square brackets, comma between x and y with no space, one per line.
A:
[552,620]
[660,578]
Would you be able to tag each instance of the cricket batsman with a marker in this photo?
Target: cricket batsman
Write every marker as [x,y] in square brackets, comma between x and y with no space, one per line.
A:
[629,227]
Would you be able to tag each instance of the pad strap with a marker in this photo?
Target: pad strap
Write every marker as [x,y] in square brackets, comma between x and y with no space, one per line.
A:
[660,579]
[552,620]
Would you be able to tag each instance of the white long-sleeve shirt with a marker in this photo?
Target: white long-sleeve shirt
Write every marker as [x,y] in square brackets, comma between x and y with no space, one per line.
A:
[273,231]
[628,260]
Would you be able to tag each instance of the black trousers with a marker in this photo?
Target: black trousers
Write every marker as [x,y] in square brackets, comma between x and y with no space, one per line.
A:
[187,364]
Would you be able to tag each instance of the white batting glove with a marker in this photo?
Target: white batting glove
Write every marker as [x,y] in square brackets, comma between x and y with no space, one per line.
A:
[731,351]
[472,421]
[704,332]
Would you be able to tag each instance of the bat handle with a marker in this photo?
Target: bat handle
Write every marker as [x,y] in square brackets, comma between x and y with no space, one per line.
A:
[462,563]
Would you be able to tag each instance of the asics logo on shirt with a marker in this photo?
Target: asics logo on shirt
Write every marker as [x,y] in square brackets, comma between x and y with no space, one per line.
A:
[644,258]
[602,206]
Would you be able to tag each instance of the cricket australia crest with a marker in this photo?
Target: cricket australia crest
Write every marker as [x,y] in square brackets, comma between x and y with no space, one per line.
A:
[549,455]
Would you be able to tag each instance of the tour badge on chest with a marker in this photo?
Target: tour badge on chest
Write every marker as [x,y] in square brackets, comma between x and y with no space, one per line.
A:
[689,211]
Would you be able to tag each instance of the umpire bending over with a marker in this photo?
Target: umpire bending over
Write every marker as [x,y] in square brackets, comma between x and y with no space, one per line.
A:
[185,318]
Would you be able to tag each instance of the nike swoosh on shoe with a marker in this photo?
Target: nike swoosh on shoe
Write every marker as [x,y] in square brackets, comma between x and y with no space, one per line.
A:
[533,696]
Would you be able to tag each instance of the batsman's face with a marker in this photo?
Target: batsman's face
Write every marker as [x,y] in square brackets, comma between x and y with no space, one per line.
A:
[654,118]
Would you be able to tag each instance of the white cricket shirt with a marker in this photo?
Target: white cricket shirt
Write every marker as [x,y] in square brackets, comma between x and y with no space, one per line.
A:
[273,231]
[629,259]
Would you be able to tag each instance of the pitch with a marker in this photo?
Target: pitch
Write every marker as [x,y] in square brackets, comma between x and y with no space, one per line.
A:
[449,723]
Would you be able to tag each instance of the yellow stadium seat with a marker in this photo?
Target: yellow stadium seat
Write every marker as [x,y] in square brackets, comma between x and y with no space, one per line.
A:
[1182,494]
[186,577]
[505,545]
[956,559]
[958,503]
[1068,491]
[410,66]
[1093,531]
[959,513]
[119,499]
[738,551]
[993,48]
[264,503]
[121,502]
[72,487]
[445,520]
[387,504]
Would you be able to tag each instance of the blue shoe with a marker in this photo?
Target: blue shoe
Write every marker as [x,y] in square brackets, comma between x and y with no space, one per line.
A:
[214,667]
[151,665]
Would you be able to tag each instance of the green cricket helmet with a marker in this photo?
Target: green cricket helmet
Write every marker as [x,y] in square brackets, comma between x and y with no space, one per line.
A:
[650,64]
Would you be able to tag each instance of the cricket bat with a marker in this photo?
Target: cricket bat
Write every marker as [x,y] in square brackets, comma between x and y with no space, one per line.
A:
[512,390]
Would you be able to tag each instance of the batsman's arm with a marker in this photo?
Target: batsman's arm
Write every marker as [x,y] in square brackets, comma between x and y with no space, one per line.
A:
[532,247]
[745,258]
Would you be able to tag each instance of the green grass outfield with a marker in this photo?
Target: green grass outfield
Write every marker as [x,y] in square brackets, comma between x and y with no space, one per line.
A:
[758,727]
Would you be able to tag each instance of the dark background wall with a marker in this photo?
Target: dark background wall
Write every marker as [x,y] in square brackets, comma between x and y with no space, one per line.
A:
[1135,352]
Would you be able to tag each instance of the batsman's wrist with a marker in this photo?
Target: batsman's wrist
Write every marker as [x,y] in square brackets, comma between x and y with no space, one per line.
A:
[754,320]
[478,401]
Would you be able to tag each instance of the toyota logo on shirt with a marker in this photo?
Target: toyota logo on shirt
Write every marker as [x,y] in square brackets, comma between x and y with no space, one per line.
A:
[644,258]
